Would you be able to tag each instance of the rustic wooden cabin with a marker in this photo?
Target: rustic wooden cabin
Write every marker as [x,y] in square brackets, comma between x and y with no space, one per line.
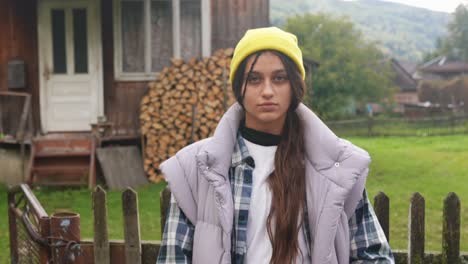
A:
[442,68]
[87,62]
[408,92]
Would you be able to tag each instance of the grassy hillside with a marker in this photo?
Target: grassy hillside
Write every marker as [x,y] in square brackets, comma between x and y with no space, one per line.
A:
[402,31]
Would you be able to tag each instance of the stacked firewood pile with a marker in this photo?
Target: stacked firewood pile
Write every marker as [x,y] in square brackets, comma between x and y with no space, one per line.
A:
[183,105]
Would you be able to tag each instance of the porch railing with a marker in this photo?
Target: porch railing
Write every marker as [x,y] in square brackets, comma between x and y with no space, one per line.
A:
[16,124]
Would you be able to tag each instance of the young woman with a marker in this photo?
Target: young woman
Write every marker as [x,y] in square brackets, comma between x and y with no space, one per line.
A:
[274,184]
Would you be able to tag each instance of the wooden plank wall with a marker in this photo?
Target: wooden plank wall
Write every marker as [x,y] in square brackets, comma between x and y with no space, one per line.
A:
[121,99]
[18,40]
[231,18]
[123,107]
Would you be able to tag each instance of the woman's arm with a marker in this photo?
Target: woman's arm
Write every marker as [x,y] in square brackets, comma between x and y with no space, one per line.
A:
[176,245]
[368,241]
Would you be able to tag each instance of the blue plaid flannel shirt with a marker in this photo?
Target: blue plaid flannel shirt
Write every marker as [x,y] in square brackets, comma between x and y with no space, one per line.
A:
[368,242]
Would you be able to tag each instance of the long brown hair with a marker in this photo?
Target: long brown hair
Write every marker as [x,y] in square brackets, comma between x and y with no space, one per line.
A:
[287,181]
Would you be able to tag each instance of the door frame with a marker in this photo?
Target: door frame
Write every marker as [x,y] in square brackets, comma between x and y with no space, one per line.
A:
[95,44]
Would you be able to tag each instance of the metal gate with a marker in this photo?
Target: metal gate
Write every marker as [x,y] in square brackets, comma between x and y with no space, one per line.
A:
[37,238]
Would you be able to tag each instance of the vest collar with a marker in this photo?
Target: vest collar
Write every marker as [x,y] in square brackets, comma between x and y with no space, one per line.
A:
[321,144]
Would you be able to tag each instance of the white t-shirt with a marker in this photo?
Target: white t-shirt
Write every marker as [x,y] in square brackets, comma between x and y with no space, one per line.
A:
[259,249]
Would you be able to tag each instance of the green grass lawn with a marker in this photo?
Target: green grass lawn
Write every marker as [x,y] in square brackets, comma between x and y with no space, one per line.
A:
[4,243]
[433,166]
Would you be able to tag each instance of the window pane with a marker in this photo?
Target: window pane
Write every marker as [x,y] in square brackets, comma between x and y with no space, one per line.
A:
[161,34]
[58,41]
[80,38]
[133,36]
[190,28]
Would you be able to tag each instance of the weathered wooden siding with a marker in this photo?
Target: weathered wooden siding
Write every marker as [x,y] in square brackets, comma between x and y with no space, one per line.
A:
[121,99]
[18,40]
[122,108]
[231,18]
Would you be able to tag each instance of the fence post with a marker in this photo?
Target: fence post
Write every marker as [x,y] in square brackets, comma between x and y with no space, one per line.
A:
[44,224]
[13,230]
[165,198]
[101,236]
[382,210]
[65,233]
[452,123]
[451,230]
[131,227]
[416,229]
[370,121]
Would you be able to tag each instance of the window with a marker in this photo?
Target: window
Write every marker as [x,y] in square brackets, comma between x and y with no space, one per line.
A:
[75,62]
[148,33]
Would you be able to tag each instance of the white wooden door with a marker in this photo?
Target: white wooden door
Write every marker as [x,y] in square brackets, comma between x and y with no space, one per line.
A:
[70,63]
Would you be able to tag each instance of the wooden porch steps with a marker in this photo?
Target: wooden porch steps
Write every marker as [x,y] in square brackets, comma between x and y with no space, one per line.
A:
[65,161]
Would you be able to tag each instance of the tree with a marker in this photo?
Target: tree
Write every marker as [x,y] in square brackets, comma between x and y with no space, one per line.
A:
[455,43]
[458,33]
[352,71]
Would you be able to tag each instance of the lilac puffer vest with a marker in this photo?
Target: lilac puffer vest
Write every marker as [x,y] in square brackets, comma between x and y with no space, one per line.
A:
[336,172]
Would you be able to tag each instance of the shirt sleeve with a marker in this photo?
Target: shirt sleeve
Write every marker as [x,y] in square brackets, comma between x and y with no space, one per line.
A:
[176,245]
[368,242]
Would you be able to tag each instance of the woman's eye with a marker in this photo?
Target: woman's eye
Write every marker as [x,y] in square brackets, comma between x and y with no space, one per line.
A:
[253,79]
[280,78]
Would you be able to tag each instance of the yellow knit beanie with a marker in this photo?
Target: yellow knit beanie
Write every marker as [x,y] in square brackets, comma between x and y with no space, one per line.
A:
[269,38]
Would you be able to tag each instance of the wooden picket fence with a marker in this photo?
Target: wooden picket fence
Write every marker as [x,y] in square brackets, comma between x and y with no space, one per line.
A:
[450,253]
[377,126]
[136,251]
[133,250]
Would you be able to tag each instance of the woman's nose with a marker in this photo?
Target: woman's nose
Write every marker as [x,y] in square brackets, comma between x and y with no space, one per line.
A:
[267,89]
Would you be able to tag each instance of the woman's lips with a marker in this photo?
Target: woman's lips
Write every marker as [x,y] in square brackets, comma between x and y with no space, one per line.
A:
[267,107]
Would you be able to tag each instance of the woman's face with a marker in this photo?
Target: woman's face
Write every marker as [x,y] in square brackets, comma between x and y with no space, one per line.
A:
[268,94]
